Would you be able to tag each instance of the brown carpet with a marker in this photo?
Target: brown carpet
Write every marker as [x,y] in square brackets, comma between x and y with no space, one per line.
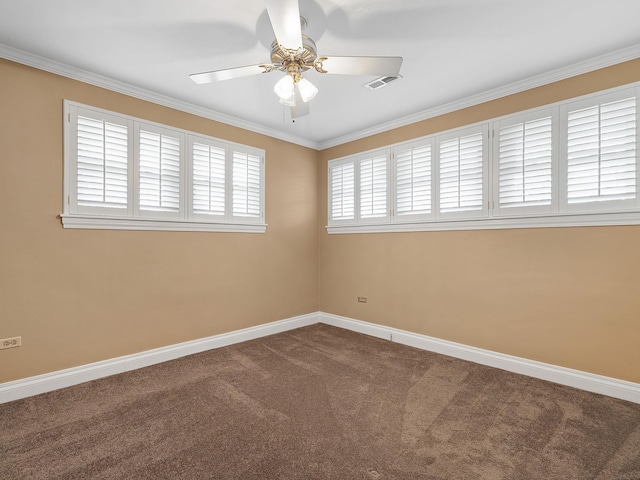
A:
[320,403]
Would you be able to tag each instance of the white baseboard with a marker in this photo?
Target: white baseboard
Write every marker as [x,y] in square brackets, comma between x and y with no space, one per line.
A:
[65,378]
[47,382]
[565,376]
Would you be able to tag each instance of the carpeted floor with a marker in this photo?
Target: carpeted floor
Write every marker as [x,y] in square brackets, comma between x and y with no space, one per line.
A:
[320,403]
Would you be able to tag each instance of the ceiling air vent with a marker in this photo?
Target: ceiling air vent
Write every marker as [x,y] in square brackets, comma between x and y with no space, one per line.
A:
[380,82]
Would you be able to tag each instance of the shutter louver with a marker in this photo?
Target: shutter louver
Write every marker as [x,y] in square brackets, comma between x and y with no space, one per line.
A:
[525,164]
[246,185]
[208,179]
[601,152]
[413,181]
[373,187]
[102,164]
[159,172]
[461,174]
[342,191]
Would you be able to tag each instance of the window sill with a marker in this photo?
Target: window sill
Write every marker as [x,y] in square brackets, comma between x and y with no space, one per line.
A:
[115,223]
[581,220]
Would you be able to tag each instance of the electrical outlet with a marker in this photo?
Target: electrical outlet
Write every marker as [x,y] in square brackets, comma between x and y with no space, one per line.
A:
[362,299]
[10,342]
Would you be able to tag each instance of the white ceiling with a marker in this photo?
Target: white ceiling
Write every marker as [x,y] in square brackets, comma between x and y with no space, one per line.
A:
[454,51]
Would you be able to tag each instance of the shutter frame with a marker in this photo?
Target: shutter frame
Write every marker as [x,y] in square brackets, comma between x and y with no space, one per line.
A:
[570,112]
[413,174]
[550,162]
[373,198]
[343,171]
[168,172]
[460,164]
[212,183]
[74,206]
[245,184]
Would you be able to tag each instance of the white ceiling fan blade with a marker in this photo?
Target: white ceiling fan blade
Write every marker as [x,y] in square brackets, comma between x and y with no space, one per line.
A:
[207,77]
[285,20]
[387,66]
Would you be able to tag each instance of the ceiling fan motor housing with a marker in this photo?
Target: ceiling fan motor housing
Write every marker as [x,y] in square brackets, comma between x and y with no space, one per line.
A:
[304,57]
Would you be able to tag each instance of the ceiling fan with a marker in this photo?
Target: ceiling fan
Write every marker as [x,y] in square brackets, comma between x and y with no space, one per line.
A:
[293,52]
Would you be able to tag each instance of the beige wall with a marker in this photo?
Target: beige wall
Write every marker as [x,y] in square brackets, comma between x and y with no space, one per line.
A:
[80,296]
[566,296]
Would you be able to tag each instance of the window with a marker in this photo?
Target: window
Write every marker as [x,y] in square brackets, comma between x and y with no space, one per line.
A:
[360,189]
[373,186]
[208,178]
[571,163]
[462,173]
[413,173]
[601,153]
[101,173]
[525,153]
[124,173]
[342,187]
[158,153]
[246,184]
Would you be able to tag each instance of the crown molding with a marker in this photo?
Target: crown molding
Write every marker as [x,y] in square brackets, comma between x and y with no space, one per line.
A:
[596,63]
[602,61]
[52,66]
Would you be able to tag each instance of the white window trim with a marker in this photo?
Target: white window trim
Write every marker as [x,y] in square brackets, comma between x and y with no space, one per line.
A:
[79,217]
[127,223]
[606,213]
[581,220]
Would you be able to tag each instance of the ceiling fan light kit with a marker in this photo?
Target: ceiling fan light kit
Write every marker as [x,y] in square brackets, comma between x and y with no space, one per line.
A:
[293,52]
[307,90]
[284,87]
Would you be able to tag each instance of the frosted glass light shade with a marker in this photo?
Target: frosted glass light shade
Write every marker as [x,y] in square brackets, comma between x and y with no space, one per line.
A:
[307,90]
[284,87]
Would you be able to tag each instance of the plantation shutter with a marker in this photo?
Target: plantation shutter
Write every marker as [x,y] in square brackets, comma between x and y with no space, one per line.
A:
[413,180]
[246,185]
[601,152]
[342,191]
[102,164]
[159,172]
[461,178]
[525,156]
[373,186]
[208,179]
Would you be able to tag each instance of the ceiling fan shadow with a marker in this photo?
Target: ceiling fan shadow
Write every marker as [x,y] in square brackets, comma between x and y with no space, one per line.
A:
[196,40]
[440,21]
